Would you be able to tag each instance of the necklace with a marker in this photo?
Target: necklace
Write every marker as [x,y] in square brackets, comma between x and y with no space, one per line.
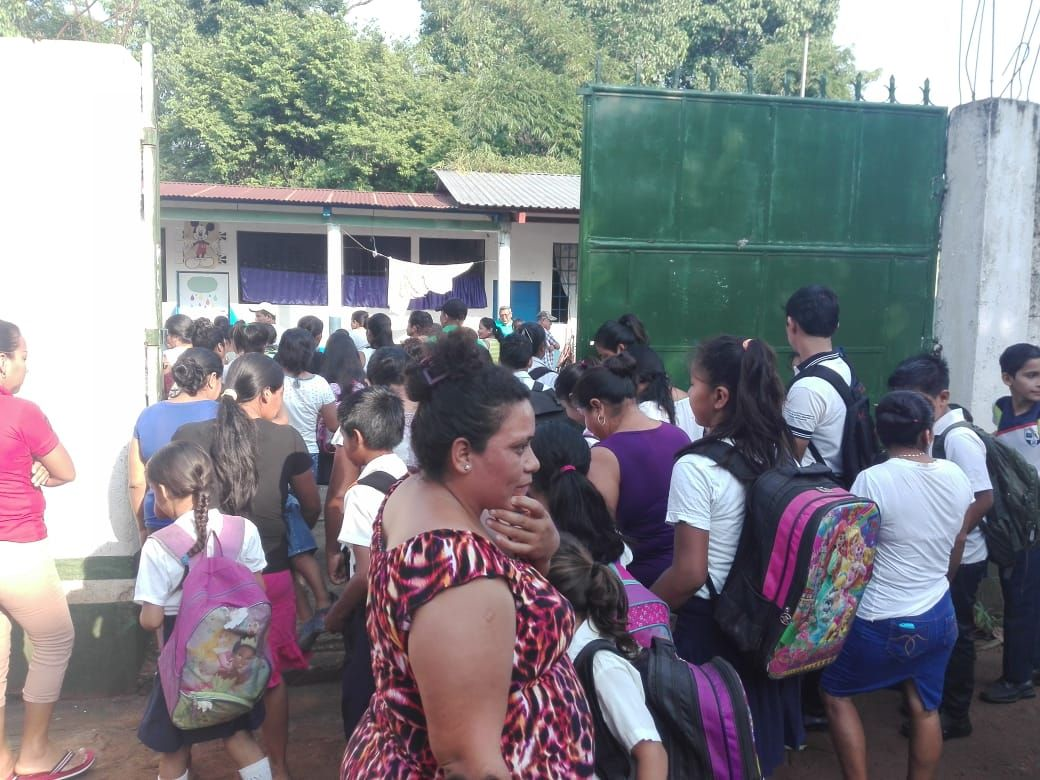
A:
[908,455]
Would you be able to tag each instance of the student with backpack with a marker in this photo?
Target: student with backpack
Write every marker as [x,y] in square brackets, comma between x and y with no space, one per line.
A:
[1017,417]
[905,628]
[181,477]
[827,411]
[735,392]
[957,442]
[562,486]
[515,353]
[372,422]
[826,408]
[628,744]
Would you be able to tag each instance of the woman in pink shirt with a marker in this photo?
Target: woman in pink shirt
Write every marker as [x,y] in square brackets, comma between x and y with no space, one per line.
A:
[31,458]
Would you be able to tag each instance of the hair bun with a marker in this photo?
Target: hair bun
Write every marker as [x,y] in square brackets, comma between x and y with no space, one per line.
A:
[622,365]
[455,357]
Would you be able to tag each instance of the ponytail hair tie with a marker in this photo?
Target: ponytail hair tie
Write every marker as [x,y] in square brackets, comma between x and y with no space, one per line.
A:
[565,469]
[746,343]
[231,393]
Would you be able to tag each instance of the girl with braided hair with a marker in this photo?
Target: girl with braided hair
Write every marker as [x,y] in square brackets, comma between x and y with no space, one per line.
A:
[181,476]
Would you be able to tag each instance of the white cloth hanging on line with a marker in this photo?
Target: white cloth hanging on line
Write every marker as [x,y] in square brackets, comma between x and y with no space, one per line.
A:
[414,280]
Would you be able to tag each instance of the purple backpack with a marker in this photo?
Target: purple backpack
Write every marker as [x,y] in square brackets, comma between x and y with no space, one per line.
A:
[215,665]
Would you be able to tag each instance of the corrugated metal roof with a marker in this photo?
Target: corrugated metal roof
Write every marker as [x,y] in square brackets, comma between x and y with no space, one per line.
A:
[290,196]
[548,191]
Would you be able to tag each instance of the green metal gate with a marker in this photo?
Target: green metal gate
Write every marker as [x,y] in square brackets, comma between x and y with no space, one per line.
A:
[703,212]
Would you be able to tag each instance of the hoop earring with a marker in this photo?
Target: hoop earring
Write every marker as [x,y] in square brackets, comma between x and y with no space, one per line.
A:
[601,420]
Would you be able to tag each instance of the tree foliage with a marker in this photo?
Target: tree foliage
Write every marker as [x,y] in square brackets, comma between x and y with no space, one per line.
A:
[289,92]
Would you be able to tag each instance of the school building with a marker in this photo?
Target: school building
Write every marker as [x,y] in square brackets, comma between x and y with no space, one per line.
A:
[227,247]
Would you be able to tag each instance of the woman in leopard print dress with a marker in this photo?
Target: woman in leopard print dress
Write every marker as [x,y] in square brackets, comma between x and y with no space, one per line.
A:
[468,643]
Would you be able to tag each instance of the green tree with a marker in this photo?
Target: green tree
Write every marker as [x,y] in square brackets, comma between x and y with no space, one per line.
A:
[279,97]
[782,59]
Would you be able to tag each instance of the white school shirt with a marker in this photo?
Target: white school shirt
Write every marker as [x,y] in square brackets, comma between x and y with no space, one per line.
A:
[619,691]
[684,419]
[815,412]
[548,380]
[704,495]
[361,504]
[922,510]
[964,447]
[303,399]
[160,574]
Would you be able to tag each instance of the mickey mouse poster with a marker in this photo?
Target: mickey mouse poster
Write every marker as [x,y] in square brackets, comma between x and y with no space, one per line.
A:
[202,245]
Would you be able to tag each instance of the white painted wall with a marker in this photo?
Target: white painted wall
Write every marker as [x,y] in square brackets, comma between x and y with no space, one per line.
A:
[76,274]
[985,283]
[532,246]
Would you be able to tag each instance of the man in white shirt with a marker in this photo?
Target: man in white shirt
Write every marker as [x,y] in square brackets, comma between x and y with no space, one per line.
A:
[534,334]
[552,346]
[957,442]
[814,410]
[515,354]
[372,422]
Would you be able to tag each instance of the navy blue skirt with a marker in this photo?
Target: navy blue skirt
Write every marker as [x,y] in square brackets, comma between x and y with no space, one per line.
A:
[776,705]
[158,732]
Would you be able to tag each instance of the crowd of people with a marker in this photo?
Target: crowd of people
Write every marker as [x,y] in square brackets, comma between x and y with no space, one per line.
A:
[494,506]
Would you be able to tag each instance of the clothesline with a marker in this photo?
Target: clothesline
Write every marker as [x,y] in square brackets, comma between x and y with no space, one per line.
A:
[375,253]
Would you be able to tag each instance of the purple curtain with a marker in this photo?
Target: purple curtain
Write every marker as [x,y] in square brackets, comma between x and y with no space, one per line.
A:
[469,287]
[285,287]
[370,291]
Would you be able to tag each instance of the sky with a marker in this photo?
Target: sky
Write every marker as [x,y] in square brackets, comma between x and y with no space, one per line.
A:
[910,39]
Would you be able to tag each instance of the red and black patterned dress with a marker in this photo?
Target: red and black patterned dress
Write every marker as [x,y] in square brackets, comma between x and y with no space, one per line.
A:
[548,730]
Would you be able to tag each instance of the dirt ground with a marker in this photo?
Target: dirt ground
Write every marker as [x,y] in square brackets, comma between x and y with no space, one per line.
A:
[1004,744]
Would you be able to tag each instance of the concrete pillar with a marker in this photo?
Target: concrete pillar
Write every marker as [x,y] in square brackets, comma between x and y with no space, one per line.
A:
[988,295]
[334,269]
[504,270]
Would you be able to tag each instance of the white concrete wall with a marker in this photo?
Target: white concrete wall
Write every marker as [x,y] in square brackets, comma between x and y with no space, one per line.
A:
[532,247]
[76,276]
[986,297]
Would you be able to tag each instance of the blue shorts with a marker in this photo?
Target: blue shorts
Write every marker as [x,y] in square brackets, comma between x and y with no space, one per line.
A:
[885,653]
[299,535]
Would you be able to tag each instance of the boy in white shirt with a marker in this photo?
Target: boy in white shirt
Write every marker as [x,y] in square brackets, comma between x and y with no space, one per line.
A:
[372,423]
[930,376]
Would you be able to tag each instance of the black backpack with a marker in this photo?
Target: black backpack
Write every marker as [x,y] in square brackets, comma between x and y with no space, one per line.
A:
[701,713]
[538,373]
[859,443]
[379,480]
[1013,524]
[546,406]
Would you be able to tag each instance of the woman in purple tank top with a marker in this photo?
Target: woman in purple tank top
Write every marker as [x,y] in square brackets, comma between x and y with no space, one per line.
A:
[632,464]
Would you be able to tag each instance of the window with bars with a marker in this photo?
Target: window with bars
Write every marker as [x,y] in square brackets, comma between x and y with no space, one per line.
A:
[564,301]
[282,268]
[360,262]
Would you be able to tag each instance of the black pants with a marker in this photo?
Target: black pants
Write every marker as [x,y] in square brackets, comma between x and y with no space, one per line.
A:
[358,684]
[959,684]
[1021,586]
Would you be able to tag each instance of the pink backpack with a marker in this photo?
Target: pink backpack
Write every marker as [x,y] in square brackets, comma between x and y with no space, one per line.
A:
[648,616]
[216,664]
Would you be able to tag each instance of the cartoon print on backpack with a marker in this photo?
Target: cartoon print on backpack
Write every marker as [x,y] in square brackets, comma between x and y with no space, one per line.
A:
[825,610]
[222,657]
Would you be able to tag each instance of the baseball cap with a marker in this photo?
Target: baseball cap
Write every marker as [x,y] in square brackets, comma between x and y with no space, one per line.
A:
[265,308]
[544,315]
[455,308]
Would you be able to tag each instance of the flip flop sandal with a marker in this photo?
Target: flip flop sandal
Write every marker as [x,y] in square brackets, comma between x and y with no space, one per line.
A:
[65,768]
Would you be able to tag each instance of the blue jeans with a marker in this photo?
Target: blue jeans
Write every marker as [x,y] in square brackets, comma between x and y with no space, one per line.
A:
[959,684]
[1020,583]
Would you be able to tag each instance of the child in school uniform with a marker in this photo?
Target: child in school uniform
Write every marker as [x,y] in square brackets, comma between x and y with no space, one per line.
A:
[181,475]
[905,627]
[372,424]
[930,376]
[601,609]
[1017,417]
